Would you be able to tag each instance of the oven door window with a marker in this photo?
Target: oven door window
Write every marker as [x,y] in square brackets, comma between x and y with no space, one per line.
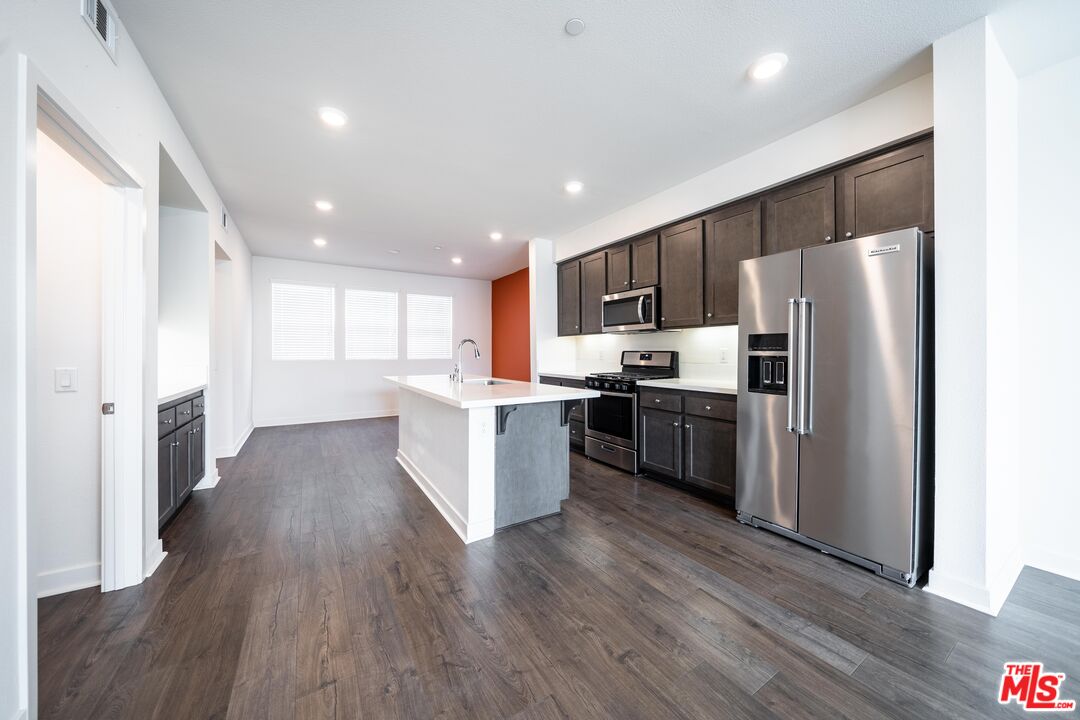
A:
[612,415]
[625,311]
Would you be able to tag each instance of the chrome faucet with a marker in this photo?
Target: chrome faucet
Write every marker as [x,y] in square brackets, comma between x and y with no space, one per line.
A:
[457,376]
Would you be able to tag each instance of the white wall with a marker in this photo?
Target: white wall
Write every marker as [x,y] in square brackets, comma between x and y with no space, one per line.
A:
[1050,256]
[183,329]
[124,107]
[67,517]
[900,112]
[287,392]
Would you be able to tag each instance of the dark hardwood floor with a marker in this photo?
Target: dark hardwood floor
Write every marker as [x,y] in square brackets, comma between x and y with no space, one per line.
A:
[317,581]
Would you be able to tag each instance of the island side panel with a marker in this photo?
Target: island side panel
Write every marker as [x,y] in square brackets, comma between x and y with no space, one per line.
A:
[532,464]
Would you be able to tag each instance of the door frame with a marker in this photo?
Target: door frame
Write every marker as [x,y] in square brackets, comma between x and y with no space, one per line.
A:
[42,105]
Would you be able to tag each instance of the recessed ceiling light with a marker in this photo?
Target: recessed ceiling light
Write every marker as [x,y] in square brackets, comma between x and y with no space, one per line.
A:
[333,117]
[319,242]
[496,236]
[455,260]
[438,247]
[574,187]
[768,66]
[575,26]
[324,205]
[393,252]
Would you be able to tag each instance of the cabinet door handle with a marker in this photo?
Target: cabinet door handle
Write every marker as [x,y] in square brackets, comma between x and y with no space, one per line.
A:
[657,401]
[828,238]
[708,314]
[676,424]
[708,407]
[848,235]
[167,422]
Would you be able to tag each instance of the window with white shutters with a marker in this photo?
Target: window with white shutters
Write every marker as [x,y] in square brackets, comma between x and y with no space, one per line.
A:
[302,322]
[371,325]
[430,327]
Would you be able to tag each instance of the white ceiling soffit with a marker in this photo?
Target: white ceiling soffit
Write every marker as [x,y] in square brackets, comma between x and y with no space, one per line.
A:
[468,116]
[1036,34]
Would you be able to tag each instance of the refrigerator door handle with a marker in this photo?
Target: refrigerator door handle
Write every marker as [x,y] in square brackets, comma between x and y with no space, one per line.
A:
[793,375]
[803,370]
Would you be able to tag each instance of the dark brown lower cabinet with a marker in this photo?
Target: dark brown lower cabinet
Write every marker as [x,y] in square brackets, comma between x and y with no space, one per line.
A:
[710,454]
[660,442]
[695,447]
[166,472]
[181,453]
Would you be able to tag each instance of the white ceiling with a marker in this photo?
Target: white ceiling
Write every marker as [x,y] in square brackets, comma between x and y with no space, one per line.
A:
[468,116]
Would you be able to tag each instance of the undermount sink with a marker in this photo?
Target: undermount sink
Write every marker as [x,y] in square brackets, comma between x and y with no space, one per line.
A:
[485,381]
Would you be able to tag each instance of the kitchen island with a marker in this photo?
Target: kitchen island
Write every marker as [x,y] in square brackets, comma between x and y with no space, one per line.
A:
[488,453]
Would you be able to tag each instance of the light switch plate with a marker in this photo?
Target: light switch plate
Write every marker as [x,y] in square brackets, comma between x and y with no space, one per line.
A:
[66,379]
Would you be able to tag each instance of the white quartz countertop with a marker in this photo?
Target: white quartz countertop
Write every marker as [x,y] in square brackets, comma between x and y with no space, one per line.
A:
[172,393]
[476,395]
[694,385]
[564,375]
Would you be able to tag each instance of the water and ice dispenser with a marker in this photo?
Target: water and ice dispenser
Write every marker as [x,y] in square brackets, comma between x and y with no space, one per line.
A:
[767,363]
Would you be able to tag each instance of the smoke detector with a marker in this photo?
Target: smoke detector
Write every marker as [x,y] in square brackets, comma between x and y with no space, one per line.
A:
[101,18]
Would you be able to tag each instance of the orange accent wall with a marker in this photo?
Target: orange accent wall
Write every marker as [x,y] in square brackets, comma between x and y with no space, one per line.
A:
[510,326]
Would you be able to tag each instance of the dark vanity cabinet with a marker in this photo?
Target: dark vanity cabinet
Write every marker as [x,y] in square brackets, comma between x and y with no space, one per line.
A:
[181,451]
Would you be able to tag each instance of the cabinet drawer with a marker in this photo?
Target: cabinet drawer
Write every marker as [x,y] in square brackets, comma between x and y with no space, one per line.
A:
[669,401]
[577,435]
[711,406]
[166,422]
[183,414]
[198,405]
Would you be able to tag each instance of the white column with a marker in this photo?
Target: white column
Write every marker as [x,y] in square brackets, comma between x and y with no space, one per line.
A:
[978,501]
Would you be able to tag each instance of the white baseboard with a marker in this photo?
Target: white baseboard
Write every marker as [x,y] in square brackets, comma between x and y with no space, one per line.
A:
[235,449]
[986,599]
[66,580]
[154,559]
[959,591]
[1002,583]
[209,481]
[1054,561]
[468,532]
[328,417]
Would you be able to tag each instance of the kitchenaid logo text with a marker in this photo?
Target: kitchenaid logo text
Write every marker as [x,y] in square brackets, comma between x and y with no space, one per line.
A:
[883,250]
[1032,688]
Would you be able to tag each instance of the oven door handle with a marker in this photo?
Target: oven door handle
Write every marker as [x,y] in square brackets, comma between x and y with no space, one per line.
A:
[616,394]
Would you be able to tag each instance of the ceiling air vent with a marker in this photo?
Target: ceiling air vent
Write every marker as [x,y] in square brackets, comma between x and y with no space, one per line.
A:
[100,16]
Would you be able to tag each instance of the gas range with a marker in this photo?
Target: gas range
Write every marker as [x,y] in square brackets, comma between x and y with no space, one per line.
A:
[622,381]
[611,427]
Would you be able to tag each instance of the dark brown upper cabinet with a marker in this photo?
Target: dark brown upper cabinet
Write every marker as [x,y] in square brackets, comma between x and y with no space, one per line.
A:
[618,269]
[593,289]
[645,265]
[890,192]
[732,234]
[570,298]
[681,275]
[800,215]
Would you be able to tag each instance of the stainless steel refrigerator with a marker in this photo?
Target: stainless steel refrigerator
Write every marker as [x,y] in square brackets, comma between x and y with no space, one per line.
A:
[835,399]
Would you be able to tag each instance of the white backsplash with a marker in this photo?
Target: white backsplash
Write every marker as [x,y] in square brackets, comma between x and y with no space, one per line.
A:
[704,353]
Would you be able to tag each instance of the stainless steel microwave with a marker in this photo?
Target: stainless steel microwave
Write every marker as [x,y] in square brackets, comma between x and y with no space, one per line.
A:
[632,311]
